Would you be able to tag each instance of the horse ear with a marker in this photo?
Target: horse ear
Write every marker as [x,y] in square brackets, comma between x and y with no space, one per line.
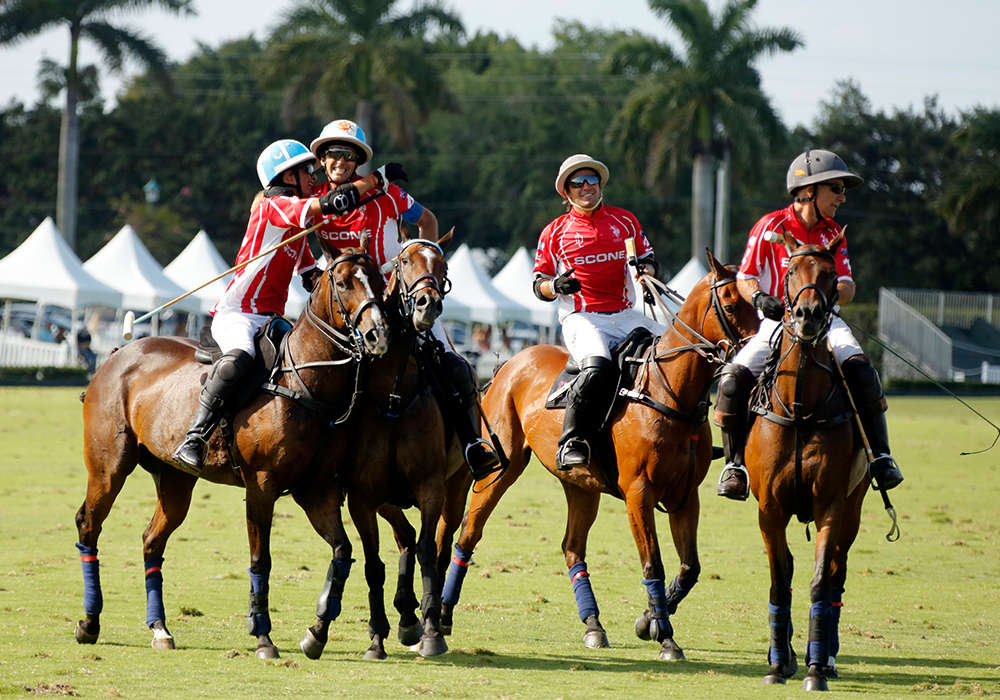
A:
[789,240]
[833,245]
[363,244]
[717,268]
[329,250]
[446,238]
[390,288]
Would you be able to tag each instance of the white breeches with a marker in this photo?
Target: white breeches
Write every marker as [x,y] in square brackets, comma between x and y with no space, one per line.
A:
[234,330]
[587,334]
[754,353]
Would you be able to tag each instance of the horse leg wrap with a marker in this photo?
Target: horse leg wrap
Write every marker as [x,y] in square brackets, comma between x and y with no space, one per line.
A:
[833,640]
[676,593]
[154,590]
[258,618]
[818,651]
[93,600]
[456,575]
[586,603]
[780,617]
[405,600]
[659,624]
[328,603]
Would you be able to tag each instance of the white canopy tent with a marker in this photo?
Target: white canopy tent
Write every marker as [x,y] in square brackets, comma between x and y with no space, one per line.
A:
[515,279]
[195,265]
[474,298]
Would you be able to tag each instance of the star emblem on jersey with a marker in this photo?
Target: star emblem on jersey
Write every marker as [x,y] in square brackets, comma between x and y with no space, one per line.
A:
[616,232]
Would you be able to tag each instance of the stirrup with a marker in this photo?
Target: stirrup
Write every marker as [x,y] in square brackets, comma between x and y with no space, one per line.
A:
[732,471]
[884,470]
[183,461]
[573,453]
[490,462]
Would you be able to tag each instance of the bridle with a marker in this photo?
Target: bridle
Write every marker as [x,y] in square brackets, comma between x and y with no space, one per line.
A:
[350,341]
[408,291]
[826,303]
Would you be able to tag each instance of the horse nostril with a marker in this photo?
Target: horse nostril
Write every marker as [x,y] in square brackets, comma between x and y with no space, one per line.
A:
[421,302]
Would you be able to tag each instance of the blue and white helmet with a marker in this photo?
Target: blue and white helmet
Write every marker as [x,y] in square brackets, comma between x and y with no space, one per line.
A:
[344,131]
[280,156]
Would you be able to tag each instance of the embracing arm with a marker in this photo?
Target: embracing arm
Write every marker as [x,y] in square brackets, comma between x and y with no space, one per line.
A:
[343,199]
[427,224]
[845,291]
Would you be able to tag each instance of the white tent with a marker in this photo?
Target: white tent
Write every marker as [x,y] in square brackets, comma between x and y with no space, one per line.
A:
[195,265]
[125,264]
[515,280]
[46,270]
[474,298]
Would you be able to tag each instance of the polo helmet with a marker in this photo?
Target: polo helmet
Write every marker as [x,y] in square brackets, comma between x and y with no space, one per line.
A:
[280,156]
[344,131]
[812,166]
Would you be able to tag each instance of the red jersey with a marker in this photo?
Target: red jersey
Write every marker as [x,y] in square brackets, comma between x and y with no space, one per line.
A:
[595,246]
[379,218]
[262,286]
[767,262]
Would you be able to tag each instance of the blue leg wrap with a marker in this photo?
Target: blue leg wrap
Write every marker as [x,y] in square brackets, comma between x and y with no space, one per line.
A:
[456,575]
[660,627]
[258,618]
[93,601]
[675,594]
[586,603]
[834,636]
[818,651]
[328,604]
[154,590]
[781,633]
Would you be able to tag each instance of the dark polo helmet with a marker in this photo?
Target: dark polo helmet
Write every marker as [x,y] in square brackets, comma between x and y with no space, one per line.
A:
[815,166]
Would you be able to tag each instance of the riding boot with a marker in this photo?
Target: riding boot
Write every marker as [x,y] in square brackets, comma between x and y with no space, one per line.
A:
[222,384]
[865,387]
[463,412]
[735,386]
[588,396]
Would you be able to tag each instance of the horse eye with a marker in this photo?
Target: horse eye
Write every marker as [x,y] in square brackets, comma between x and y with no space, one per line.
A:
[341,284]
[729,309]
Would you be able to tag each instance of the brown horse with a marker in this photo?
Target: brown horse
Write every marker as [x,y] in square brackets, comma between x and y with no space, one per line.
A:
[408,464]
[804,458]
[662,447]
[137,406]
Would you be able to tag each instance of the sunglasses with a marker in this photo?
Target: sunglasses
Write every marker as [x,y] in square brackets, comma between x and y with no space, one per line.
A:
[581,180]
[835,187]
[341,153]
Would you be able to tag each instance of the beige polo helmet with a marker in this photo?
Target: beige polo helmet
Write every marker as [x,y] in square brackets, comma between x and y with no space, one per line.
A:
[576,162]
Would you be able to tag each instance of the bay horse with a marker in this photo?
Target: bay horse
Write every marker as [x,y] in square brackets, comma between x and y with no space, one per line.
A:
[805,458]
[405,461]
[661,445]
[137,407]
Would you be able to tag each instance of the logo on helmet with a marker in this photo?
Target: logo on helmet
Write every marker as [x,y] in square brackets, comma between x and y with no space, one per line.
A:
[344,125]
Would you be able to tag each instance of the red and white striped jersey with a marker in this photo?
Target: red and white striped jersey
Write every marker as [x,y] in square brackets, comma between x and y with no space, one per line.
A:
[379,218]
[262,286]
[595,246]
[767,262]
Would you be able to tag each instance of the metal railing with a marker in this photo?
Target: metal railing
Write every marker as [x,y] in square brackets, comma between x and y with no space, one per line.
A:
[959,309]
[910,332]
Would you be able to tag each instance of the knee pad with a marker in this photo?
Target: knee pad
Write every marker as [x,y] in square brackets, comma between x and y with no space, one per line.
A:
[864,382]
[735,381]
[233,365]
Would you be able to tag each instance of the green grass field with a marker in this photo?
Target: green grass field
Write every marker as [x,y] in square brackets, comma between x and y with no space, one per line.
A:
[920,618]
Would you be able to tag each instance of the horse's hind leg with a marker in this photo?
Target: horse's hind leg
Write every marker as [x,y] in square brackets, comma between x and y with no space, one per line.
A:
[431,501]
[582,512]
[173,494]
[260,513]
[405,600]
[780,655]
[363,516]
[108,465]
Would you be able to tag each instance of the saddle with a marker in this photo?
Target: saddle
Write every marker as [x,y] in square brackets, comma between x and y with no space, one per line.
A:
[267,343]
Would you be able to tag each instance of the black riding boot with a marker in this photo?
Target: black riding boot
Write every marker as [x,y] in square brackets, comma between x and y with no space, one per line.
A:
[462,409]
[863,381]
[588,397]
[223,382]
[735,386]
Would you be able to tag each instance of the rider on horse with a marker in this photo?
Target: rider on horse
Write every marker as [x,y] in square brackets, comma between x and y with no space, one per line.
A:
[581,261]
[817,181]
[258,291]
[342,147]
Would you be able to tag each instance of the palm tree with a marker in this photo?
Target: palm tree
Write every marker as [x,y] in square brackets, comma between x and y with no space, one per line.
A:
[21,19]
[334,55]
[703,103]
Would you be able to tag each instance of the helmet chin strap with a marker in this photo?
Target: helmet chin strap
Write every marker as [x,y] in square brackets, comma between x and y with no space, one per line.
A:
[590,208]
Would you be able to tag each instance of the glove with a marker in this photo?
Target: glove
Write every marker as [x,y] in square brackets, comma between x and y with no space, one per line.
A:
[391,172]
[771,307]
[342,200]
[645,267]
[309,279]
[564,284]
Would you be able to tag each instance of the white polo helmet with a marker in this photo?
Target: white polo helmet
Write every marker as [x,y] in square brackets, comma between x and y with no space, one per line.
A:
[345,131]
[280,156]
[576,162]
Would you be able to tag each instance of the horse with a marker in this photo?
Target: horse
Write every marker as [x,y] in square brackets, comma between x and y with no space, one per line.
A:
[661,446]
[139,401]
[804,458]
[407,466]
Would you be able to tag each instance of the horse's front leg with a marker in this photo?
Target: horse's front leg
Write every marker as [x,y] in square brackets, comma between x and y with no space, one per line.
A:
[846,534]
[780,655]
[654,622]
[432,642]
[821,610]
[405,601]
[684,532]
[582,508]
[260,512]
[363,515]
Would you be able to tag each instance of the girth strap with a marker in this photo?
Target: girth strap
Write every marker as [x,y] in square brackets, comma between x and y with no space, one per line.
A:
[666,410]
[818,423]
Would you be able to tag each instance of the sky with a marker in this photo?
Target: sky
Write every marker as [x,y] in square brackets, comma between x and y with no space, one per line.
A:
[898,51]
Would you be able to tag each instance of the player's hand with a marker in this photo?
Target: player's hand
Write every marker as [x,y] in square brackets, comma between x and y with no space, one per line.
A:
[771,307]
[564,284]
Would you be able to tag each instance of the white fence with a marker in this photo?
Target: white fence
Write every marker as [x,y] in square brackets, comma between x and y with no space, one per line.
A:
[903,328]
[18,351]
[957,309]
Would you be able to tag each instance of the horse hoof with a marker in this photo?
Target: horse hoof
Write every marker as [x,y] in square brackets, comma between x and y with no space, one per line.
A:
[642,626]
[83,636]
[410,634]
[596,639]
[266,652]
[774,679]
[432,646]
[669,651]
[310,646]
[376,651]
[815,681]
[162,639]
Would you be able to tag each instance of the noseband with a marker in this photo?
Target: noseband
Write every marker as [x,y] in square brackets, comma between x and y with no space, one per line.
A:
[351,341]
[408,292]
